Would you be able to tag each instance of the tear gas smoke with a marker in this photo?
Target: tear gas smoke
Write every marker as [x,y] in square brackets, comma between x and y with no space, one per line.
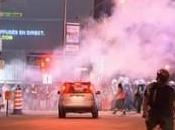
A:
[136,41]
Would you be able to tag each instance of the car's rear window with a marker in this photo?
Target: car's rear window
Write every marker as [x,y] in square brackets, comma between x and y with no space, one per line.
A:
[77,87]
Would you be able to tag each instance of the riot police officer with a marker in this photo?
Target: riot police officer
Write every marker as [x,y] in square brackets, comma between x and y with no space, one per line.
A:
[158,103]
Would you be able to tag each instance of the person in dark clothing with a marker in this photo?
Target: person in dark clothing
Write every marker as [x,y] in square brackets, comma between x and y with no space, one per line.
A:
[158,103]
[138,99]
[1,102]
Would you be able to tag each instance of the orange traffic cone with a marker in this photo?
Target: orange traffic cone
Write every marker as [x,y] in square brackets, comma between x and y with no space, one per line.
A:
[18,101]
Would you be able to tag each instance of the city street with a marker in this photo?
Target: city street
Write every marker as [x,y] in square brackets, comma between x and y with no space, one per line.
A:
[63,56]
[107,121]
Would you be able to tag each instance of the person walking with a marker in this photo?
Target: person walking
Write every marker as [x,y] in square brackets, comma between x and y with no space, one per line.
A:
[138,98]
[158,103]
[120,100]
[1,102]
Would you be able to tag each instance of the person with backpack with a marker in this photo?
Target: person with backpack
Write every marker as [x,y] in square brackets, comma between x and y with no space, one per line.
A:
[159,99]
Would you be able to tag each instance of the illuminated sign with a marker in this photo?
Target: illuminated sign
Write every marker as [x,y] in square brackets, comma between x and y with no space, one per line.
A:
[22,32]
[10,14]
[8,34]
[6,37]
[73,33]
[26,26]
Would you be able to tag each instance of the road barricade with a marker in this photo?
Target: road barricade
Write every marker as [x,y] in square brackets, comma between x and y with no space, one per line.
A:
[18,101]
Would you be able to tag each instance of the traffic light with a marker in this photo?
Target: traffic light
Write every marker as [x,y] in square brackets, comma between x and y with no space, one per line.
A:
[42,65]
[45,63]
[47,59]
[42,61]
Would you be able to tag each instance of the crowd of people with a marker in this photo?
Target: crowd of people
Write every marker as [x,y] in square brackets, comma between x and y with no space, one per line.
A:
[157,99]
[39,97]
[128,98]
[35,96]
[116,96]
[45,97]
[129,94]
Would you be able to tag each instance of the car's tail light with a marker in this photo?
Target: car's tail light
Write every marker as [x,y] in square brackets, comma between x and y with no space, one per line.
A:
[91,88]
[63,88]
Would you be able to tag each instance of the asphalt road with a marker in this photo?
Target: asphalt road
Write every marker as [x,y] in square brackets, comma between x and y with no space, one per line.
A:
[106,121]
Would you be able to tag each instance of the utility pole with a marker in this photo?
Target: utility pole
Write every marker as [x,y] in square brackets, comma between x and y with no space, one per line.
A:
[65,22]
[0,35]
[1,40]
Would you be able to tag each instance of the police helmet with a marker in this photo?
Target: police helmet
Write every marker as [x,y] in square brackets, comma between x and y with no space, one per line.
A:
[163,75]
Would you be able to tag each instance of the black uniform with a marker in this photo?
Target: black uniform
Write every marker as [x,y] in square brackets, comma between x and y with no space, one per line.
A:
[159,99]
[138,98]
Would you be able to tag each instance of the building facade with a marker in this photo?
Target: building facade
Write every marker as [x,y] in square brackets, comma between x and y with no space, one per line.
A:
[34,26]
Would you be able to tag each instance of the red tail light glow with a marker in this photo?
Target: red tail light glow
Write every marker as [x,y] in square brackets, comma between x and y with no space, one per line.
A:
[63,88]
[47,59]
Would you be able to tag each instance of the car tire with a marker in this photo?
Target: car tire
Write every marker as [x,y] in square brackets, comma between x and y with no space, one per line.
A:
[95,113]
[61,113]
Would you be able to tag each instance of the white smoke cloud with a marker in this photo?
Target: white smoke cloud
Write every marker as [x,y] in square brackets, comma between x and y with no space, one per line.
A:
[137,40]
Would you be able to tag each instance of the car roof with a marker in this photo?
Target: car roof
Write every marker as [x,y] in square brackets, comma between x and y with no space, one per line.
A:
[79,82]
